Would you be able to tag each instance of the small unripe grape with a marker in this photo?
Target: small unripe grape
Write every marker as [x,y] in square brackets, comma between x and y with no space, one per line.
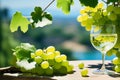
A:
[58,59]
[49,71]
[117,69]
[81,65]
[32,55]
[70,68]
[65,63]
[110,8]
[84,72]
[57,53]
[38,59]
[50,55]
[44,64]
[39,52]
[116,60]
[51,49]
[112,16]
[117,10]
[63,57]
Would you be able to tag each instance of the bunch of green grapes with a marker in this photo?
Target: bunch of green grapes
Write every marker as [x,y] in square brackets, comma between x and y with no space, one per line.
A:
[50,62]
[99,16]
[116,62]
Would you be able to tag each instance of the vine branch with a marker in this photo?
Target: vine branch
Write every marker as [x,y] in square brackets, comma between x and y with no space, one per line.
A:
[48,5]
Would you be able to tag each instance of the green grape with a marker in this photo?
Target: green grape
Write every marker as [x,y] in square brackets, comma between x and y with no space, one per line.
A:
[88,28]
[110,8]
[80,18]
[58,59]
[50,55]
[117,10]
[50,49]
[84,72]
[97,16]
[39,70]
[112,16]
[82,11]
[57,66]
[100,5]
[116,60]
[44,64]
[63,70]
[85,17]
[44,56]
[33,55]
[63,57]
[65,63]
[118,54]
[51,62]
[117,69]
[70,68]
[49,71]
[105,13]
[39,52]
[81,65]
[38,59]
[57,53]
[84,23]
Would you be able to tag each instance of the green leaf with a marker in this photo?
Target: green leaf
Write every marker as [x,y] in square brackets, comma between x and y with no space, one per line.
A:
[112,1]
[40,18]
[65,5]
[23,51]
[91,3]
[19,21]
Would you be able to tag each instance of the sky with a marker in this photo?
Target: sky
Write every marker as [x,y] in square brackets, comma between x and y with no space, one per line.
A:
[27,6]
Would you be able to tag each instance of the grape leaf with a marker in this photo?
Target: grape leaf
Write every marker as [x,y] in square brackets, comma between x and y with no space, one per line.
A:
[40,18]
[23,51]
[19,21]
[91,3]
[112,0]
[64,5]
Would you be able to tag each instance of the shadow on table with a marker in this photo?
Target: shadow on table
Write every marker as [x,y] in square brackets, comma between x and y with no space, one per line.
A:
[109,67]
[24,78]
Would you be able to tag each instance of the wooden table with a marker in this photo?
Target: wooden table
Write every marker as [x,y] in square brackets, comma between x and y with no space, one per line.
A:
[91,65]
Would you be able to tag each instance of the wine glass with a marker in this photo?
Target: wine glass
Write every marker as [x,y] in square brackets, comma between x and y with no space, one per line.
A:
[103,38]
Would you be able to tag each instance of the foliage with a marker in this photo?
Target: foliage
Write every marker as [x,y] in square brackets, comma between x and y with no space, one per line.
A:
[23,51]
[91,3]
[64,5]
[19,21]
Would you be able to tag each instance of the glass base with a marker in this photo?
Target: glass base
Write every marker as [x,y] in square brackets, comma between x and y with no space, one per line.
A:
[100,72]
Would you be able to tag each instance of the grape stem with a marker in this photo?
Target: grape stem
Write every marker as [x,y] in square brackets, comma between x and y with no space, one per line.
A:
[48,5]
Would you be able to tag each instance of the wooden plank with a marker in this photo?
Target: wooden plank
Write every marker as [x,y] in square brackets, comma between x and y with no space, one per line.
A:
[91,65]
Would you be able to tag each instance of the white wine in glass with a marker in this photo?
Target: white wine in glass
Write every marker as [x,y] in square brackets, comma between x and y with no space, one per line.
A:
[103,40]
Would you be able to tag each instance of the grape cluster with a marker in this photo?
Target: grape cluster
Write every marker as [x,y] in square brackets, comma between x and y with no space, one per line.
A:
[116,62]
[99,16]
[50,62]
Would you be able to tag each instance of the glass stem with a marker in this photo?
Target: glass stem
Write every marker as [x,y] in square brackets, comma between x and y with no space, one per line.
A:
[103,62]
